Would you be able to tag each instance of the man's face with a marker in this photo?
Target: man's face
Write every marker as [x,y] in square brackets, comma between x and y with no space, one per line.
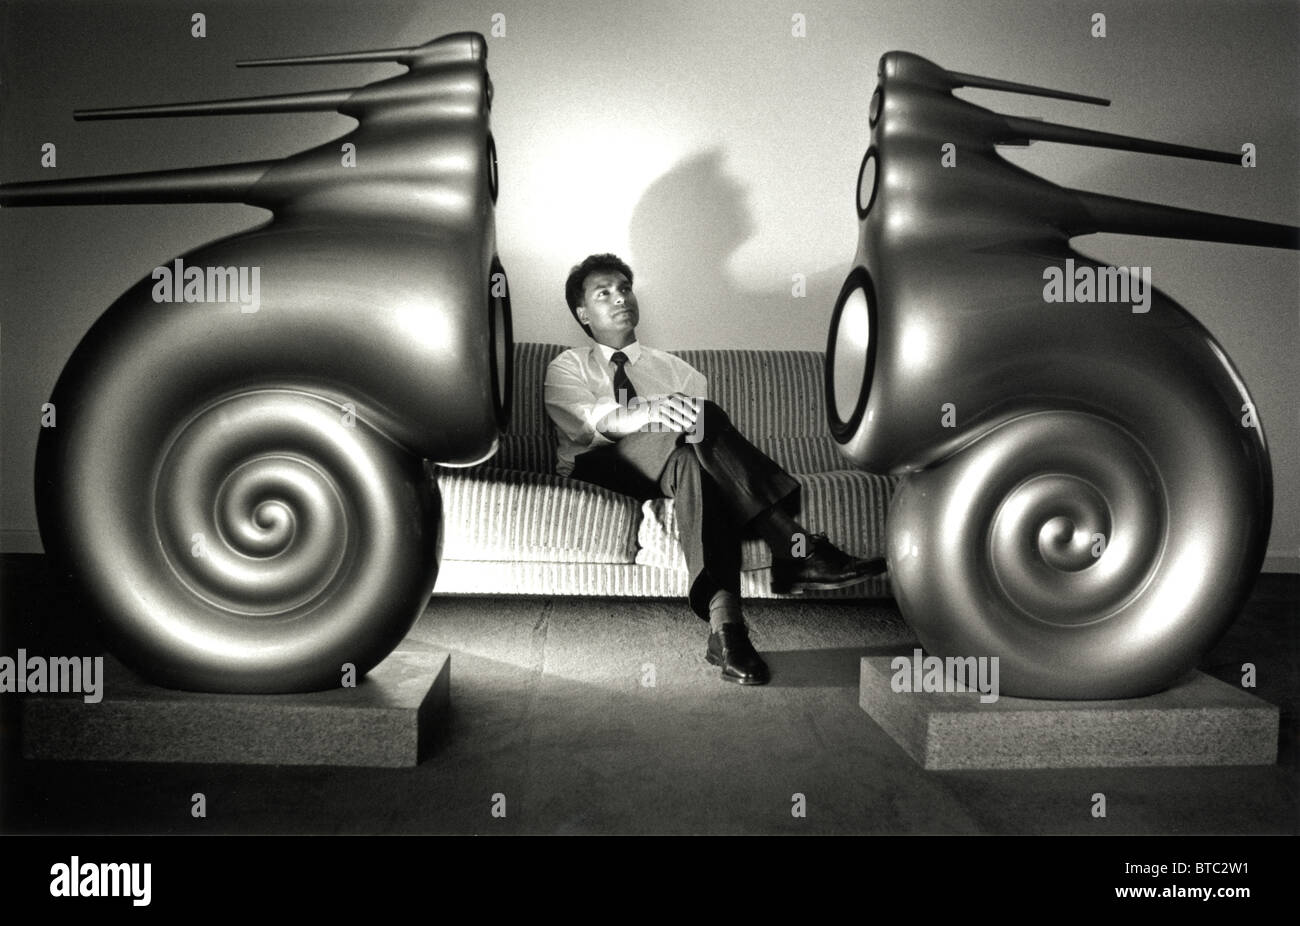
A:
[609,307]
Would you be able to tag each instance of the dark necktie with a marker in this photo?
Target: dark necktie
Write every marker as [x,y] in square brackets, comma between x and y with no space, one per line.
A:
[624,391]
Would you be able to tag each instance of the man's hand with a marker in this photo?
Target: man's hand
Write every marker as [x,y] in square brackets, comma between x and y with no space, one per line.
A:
[676,412]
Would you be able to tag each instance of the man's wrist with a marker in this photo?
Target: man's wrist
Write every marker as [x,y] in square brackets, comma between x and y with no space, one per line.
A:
[621,421]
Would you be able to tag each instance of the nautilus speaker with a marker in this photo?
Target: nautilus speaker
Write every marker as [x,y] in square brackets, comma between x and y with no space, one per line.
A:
[238,483]
[1086,489]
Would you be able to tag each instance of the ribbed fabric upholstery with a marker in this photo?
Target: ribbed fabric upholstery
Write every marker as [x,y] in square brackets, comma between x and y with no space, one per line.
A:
[767,393]
[802,454]
[533,453]
[515,527]
[530,442]
[505,515]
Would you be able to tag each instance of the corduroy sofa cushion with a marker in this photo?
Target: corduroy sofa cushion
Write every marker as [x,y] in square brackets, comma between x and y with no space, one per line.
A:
[507,515]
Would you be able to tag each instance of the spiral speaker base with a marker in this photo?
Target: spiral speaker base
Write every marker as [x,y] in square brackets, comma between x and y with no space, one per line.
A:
[277,542]
[1057,545]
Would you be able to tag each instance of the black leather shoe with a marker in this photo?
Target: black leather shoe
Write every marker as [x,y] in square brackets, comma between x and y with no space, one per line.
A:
[731,649]
[825,567]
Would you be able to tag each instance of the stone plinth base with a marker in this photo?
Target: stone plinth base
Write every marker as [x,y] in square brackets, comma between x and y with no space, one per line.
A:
[389,719]
[1200,721]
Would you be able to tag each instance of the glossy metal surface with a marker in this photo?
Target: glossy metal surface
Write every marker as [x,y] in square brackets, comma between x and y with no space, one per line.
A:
[1081,498]
[241,493]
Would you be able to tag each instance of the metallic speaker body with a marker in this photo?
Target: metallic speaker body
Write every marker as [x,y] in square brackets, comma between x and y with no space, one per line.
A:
[1087,491]
[241,492]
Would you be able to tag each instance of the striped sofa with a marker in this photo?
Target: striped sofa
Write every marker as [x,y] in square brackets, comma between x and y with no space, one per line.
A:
[512,526]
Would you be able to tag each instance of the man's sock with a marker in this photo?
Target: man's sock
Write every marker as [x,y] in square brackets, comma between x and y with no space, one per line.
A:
[778,531]
[724,608]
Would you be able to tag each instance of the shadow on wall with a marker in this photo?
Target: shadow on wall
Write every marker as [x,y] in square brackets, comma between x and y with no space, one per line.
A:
[684,231]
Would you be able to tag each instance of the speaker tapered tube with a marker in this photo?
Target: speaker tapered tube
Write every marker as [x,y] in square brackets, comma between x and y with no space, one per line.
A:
[223,184]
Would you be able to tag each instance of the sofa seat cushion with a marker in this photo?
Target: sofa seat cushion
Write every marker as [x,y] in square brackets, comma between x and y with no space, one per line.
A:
[848,505]
[505,515]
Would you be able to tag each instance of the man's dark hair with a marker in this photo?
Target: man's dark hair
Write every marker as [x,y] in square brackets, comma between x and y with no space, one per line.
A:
[595,263]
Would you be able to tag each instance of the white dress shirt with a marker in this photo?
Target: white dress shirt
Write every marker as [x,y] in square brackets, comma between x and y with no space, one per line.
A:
[579,391]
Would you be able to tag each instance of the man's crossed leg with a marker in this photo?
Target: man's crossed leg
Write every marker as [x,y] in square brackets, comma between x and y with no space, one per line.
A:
[722,484]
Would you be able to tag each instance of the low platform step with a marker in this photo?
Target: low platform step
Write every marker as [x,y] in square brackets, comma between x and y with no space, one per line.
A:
[390,719]
[1199,721]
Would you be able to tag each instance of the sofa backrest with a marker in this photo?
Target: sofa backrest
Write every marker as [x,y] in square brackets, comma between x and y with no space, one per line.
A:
[774,397]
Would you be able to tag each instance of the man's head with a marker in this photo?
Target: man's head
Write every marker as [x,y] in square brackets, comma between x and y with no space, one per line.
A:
[599,293]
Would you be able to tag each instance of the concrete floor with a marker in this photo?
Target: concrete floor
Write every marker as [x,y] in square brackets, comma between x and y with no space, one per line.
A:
[549,710]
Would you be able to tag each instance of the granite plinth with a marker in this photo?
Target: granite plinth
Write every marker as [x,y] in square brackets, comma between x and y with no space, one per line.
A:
[389,719]
[1199,721]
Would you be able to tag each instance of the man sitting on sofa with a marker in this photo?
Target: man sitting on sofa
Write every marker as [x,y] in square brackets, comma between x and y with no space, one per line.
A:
[636,420]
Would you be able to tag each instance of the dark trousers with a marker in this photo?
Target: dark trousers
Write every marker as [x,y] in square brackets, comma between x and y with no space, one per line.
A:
[718,484]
